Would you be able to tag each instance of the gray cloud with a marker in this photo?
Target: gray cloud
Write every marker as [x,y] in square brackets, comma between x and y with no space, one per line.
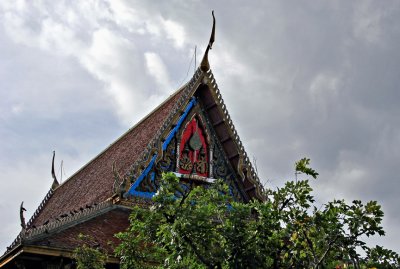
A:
[316,79]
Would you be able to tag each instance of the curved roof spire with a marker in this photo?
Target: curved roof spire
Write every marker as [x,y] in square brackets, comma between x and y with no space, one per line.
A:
[205,65]
[21,215]
[53,174]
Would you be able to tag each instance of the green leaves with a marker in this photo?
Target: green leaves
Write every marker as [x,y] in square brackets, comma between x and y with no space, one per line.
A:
[302,166]
[203,227]
[380,257]
[87,257]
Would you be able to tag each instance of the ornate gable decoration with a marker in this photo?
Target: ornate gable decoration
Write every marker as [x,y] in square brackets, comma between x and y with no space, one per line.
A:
[192,151]
[197,142]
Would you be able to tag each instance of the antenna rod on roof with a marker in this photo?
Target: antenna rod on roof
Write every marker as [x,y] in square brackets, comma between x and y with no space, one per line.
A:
[61,170]
[195,58]
[205,65]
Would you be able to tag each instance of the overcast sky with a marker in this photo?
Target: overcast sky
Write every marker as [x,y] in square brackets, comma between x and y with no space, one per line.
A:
[299,78]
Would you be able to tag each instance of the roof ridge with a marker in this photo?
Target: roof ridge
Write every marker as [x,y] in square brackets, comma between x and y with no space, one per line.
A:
[42,231]
[40,207]
[253,176]
[37,232]
[187,88]
[121,136]
[17,241]
[87,213]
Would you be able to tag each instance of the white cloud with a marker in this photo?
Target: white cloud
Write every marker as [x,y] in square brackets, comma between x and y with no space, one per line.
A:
[128,17]
[94,33]
[14,25]
[157,69]
[114,60]
[56,37]
[140,20]
[175,32]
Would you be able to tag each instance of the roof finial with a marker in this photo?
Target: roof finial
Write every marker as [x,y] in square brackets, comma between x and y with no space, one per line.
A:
[53,174]
[21,215]
[205,65]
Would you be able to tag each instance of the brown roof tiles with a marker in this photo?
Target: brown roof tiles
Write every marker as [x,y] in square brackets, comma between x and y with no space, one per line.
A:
[100,231]
[93,183]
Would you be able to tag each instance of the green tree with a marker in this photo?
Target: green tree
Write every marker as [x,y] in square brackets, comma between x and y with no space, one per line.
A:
[203,227]
[379,257]
[88,257]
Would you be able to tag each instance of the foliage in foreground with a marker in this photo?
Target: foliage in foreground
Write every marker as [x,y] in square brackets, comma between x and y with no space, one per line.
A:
[88,257]
[201,227]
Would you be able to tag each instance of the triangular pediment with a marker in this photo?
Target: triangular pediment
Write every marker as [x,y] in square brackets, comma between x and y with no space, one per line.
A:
[198,142]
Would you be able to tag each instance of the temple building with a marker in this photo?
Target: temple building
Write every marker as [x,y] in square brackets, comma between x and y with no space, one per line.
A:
[190,134]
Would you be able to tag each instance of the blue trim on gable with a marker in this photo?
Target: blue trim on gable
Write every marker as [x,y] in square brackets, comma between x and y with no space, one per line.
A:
[171,135]
[140,179]
[132,190]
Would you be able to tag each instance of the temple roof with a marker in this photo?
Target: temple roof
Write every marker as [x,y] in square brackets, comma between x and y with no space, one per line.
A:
[91,201]
[93,183]
[87,199]
[99,232]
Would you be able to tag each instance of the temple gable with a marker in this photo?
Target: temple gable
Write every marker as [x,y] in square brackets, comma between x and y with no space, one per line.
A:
[192,151]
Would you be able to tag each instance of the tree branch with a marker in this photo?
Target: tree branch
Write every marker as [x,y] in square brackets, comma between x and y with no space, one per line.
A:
[197,253]
[326,251]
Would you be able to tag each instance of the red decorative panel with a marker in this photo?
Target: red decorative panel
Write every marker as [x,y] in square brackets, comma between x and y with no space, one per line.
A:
[193,150]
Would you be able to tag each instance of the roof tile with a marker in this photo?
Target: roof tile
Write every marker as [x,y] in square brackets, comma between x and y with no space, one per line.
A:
[94,182]
[101,231]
